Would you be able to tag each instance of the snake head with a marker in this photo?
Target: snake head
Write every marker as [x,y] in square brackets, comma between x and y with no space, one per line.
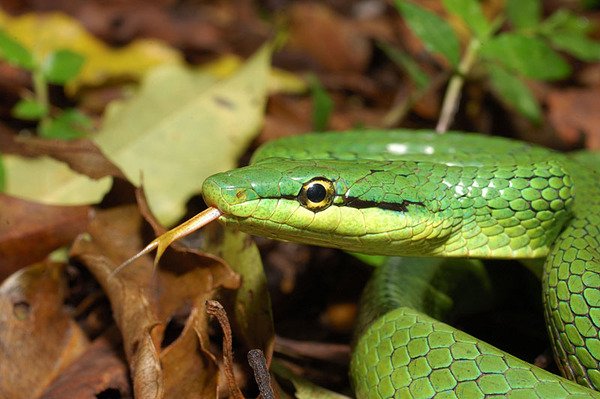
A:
[354,205]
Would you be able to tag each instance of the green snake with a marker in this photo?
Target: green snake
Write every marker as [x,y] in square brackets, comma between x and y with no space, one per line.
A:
[421,194]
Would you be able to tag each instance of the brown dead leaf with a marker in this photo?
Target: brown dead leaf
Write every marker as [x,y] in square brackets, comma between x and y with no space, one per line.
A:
[575,113]
[186,288]
[100,369]
[38,339]
[142,305]
[180,361]
[29,231]
[332,41]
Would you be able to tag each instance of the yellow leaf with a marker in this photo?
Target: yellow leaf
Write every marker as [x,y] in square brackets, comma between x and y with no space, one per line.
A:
[183,126]
[52,182]
[44,33]
[280,81]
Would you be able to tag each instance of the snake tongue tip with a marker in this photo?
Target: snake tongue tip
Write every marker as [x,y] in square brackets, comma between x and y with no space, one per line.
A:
[135,257]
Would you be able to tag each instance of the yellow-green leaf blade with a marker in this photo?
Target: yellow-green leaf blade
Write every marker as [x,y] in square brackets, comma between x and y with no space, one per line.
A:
[182,127]
[52,182]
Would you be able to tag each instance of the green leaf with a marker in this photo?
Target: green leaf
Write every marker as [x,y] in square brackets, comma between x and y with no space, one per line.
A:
[69,125]
[62,65]
[371,260]
[564,21]
[577,45]
[524,14]
[322,104]
[568,32]
[529,56]
[419,77]
[253,316]
[183,126]
[304,388]
[471,13]
[436,34]
[514,92]
[29,109]
[13,52]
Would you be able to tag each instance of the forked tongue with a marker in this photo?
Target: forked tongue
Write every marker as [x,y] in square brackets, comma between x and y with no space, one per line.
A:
[162,242]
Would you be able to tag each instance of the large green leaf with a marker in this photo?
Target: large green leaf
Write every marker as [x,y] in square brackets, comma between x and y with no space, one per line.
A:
[527,55]
[183,126]
[437,35]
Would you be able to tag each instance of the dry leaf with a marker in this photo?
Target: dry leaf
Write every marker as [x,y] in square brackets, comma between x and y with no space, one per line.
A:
[576,113]
[29,231]
[81,155]
[331,40]
[142,304]
[38,339]
[100,369]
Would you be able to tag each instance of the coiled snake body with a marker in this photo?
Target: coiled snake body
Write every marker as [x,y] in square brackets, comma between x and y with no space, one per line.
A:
[417,193]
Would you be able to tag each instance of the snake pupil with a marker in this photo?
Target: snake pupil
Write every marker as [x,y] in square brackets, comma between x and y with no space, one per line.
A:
[316,193]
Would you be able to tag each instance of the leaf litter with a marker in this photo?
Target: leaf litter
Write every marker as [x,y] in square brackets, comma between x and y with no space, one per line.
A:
[172,348]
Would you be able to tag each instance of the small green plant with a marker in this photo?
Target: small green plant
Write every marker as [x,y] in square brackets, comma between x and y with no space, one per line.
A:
[528,50]
[322,106]
[58,67]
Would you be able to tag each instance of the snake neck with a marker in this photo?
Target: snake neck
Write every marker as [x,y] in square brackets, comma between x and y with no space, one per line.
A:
[508,211]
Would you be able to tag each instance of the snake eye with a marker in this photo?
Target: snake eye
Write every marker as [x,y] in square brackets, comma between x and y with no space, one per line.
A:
[316,194]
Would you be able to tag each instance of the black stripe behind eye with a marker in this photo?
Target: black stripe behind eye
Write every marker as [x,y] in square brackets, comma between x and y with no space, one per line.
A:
[357,203]
[354,202]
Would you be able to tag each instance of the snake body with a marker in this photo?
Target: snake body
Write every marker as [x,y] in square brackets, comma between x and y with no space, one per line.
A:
[457,195]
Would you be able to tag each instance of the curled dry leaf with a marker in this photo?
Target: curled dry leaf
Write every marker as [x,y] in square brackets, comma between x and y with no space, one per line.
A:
[29,231]
[142,306]
[36,333]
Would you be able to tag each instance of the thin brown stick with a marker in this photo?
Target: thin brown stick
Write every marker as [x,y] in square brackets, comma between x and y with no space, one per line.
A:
[214,308]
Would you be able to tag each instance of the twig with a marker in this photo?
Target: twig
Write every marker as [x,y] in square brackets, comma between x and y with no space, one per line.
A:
[215,309]
[257,361]
[452,97]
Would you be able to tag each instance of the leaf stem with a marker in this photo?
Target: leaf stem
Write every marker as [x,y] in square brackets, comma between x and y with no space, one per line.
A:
[40,90]
[452,96]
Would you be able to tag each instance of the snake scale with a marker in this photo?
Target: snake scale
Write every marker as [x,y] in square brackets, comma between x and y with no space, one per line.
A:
[421,194]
